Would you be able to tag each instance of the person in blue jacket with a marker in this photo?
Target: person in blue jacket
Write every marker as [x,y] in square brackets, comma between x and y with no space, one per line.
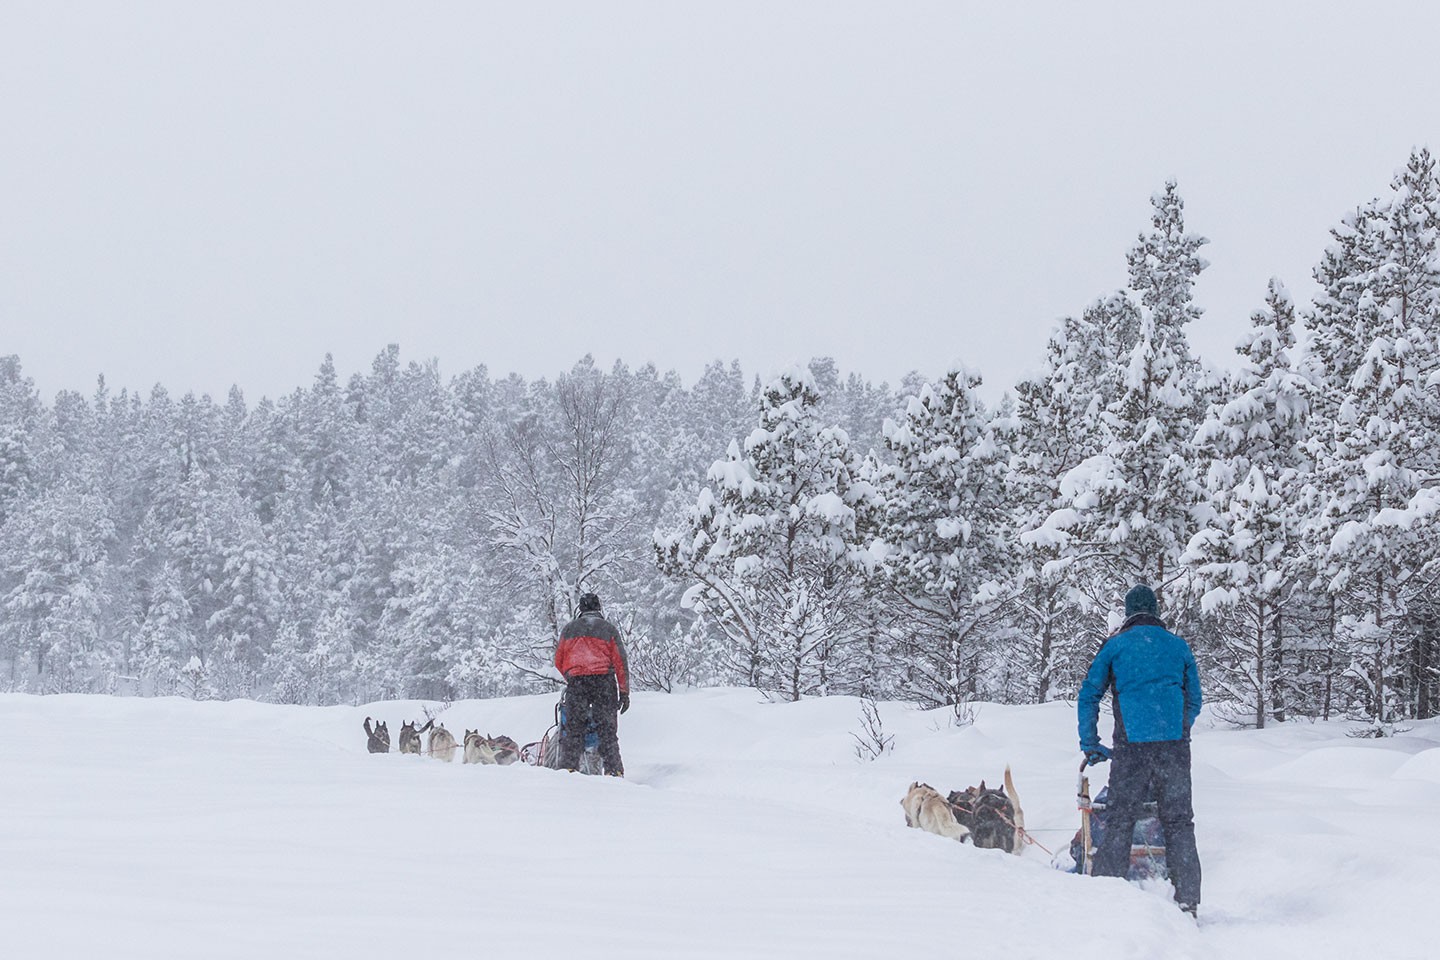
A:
[1157,698]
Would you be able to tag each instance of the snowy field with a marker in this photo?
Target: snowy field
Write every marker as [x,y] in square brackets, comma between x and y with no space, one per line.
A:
[167,828]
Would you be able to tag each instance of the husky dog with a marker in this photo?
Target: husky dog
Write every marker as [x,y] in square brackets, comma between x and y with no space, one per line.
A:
[442,742]
[926,809]
[475,748]
[506,750]
[488,749]
[993,817]
[410,737]
[379,737]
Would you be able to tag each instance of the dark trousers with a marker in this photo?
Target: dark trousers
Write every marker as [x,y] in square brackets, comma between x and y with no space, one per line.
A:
[1160,772]
[588,700]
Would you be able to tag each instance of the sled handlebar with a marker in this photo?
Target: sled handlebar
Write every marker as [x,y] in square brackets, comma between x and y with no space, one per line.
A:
[1082,787]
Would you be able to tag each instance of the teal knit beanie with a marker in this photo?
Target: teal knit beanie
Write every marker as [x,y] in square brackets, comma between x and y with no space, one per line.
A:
[1141,599]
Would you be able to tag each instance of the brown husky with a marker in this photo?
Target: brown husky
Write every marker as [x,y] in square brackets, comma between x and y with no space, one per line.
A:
[993,817]
[379,737]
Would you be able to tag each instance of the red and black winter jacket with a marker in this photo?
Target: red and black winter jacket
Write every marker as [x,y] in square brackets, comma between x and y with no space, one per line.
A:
[590,646]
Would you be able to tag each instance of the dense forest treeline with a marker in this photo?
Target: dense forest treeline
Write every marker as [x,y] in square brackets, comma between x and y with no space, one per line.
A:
[399,534]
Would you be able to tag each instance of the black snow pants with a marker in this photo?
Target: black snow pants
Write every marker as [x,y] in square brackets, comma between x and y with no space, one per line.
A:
[1157,771]
[592,699]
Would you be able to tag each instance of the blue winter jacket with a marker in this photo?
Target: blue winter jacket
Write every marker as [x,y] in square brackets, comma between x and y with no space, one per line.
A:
[1156,683]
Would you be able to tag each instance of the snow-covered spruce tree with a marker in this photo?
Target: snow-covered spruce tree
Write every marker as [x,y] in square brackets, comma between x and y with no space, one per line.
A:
[269,469]
[771,546]
[856,405]
[1058,424]
[163,638]
[860,408]
[184,527]
[1336,346]
[1163,267]
[940,535]
[409,417]
[290,681]
[317,547]
[1249,560]
[1414,289]
[1377,366]
[19,409]
[324,427]
[1133,504]
[434,621]
[54,564]
[246,594]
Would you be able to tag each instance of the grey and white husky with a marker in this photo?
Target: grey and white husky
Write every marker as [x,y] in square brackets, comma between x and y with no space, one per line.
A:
[410,737]
[442,742]
[379,737]
[501,750]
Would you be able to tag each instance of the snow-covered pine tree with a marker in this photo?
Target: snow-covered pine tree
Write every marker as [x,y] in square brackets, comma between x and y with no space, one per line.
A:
[940,534]
[1248,560]
[1134,502]
[1376,362]
[771,546]
[1058,424]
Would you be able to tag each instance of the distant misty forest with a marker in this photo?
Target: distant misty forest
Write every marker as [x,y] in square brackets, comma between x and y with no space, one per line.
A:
[397,532]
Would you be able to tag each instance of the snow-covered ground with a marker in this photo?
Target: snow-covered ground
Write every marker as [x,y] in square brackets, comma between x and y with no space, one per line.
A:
[167,828]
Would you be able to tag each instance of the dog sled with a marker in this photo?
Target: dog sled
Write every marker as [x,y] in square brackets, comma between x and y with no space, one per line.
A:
[1147,843]
[545,752]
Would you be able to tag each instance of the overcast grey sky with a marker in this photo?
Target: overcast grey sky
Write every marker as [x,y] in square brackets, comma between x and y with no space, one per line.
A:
[203,194]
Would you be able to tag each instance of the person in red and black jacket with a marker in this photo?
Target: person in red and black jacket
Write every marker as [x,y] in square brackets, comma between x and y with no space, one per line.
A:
[591,657]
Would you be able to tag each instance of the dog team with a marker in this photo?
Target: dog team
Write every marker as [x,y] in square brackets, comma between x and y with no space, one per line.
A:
[984,817]
[441,743]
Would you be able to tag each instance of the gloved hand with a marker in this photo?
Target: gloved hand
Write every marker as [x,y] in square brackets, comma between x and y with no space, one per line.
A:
[624,702]
[1096,754]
